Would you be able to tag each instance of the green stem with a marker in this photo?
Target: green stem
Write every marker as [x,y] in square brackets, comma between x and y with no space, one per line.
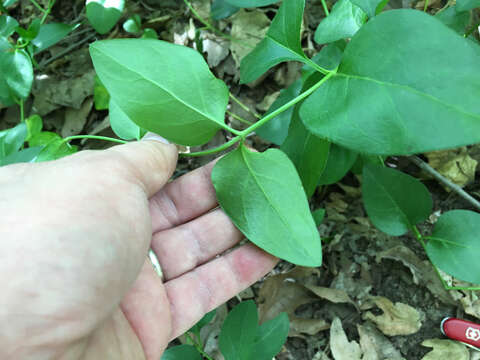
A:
[281,109]
[47,12]
[426,6]
[243,106]
[198,347]
[239,118]
[325,8]
[317,67]
[22,112]
[214,150]
[417,233]
[37,5]
[433,238]
[95,137]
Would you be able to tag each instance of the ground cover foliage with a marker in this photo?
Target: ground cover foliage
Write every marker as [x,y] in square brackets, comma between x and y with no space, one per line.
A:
[349,91]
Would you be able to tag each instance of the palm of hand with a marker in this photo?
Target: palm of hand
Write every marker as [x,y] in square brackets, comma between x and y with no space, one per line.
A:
[83,289]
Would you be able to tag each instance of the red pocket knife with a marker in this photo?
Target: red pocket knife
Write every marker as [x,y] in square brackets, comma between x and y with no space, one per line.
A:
[464,331]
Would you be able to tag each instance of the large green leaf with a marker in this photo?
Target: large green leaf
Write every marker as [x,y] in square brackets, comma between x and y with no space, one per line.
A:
[340,161]
[271,336]
[343,22]
[238,332]
[50,34]
[7,25]
[251,3]
[16,77]
[276,129]
[11,140]
[454,245]
[456,20]
[104,14]
[181,352]
[385,101]
[221,9]
[308,152]
[263,195]
[22,156]
[166,89]
[282,43]
[368,6]
[465,5]
[394,201]
[121,124]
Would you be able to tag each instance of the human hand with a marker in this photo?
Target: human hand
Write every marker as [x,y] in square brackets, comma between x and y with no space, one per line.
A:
[74,237]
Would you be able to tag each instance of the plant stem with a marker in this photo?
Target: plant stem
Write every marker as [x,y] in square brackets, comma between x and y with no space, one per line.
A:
[214,150]
[442,179]
[244,107]
[70,138]
[417,233]
[318,67]
[433,238]
[239,118]
[281,109]
[22,113]
[198,347]
[37,5]
[325,8]
[426,6]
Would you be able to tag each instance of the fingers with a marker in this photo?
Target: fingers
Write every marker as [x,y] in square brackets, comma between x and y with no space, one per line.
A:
[203,289]
[183,199]
[183,248]
[148,163]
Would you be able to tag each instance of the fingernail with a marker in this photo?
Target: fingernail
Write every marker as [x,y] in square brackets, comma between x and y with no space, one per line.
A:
[155,137]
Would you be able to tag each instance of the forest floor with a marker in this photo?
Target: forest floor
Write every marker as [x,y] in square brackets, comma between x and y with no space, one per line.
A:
[383,290]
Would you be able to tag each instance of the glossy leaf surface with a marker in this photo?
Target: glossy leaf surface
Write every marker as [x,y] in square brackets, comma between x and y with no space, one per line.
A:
[104,14]
[343,22]
[394,201]
[276,130]
[454,246]
[50,34]
[16,77]
[340,161]
[263,195]
[271,336]
[22,156]
[11,140]
[181,352]
[465,5]
[384,101]
[34,126]
[7,25]
[238,332]
[368,6]
[169,90]
[121,124]
[282,42]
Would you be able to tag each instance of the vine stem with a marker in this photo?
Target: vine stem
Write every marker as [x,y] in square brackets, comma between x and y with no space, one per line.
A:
[37,5]
[243,134]
[95,137]
[442,179]
[239,118]
[198,347]
[325,8]
[243,106]
[425,8]
[22,111]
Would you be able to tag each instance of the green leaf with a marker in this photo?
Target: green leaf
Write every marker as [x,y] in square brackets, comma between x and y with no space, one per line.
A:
[11,140]
[276,130]
[221,9]
[340,160]
[328,58]
[271,336]
[7,25]
[133,24]
[384,100]
[457,20]
[16,77]
[251,3]
[454,246]
[318,216]
[239,331]
[394,201]
[56,149]
[22,156]
[308,152]
[203,321]
[281,43]
[121,124]
[465,5]
[149,34]
[8,3]
[50,34]
[263,195]
[5,45]
[181,352]
[43,138]
[104,14]
[155,89]
[368,6]
[343,22]
[101,97]
[34,126]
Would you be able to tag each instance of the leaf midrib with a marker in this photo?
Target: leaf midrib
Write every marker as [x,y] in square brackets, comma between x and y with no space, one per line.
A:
[412,90]
[161,87]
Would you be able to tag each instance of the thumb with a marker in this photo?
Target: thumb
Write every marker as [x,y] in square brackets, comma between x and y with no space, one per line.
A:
[150,162]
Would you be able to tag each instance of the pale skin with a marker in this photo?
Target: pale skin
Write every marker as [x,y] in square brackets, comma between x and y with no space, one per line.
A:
[74,237]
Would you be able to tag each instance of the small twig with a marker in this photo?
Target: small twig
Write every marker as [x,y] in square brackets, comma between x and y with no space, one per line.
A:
[442,179]
[244,107]
[66,51]
[239,118]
